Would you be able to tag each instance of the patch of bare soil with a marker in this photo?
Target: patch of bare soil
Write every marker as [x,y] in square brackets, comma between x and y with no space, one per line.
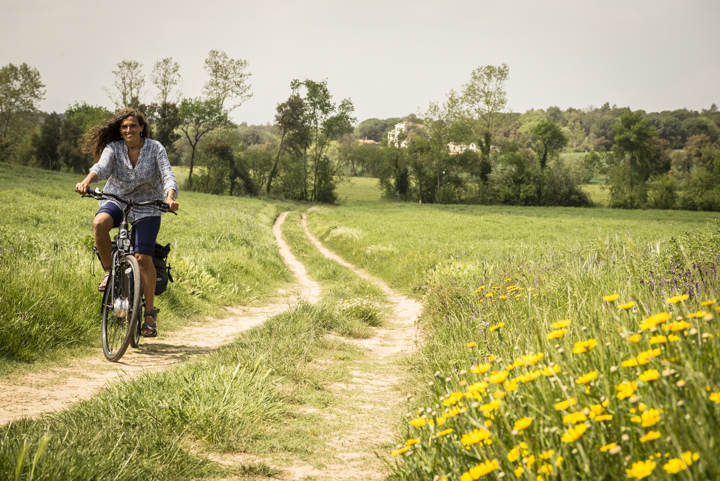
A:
[55,389]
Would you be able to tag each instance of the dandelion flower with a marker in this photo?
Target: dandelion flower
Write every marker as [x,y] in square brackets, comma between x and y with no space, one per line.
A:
[412,441]
[400,451]
[651,436]
[476,436]
[418,422]
[574,433]
[499,378]
[709,302]
[523,423]
[480,470]
[626,389]
[654,320]
[635,338]
[677,326]
[689,457]
[481,369]
[563,405]
[649,418]
[584,346]
[497,326]
[479,289]
[518,471]
[574,418]
[608,447]
[514,454]
[471,344]
[641,469]
[675,465]
[649,375]
[556,334]
[658,340]
[446,432]
[715,397]
[676,299]
[560,324]
[546,469]
[603,417]
[610,298]
[586,378]
[627,305]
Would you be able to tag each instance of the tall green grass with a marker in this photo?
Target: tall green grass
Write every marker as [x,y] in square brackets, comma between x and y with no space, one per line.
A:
[223,253]
[493,282]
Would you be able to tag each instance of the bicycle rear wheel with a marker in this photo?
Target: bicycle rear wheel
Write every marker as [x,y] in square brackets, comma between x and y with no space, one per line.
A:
[121,306]
[135,338]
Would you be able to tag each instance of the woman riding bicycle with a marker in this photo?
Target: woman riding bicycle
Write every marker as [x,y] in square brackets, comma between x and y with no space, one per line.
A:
[137,169]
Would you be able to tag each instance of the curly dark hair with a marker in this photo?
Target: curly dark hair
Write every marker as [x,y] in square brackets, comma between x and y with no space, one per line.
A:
[101,135]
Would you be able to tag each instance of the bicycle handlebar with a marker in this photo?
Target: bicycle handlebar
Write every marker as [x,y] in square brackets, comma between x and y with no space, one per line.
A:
[96,193]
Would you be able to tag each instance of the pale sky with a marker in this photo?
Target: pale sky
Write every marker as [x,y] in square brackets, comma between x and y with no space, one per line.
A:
[390,57]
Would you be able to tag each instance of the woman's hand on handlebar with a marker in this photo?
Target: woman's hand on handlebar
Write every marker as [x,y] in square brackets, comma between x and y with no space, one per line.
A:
[82,187]
[172,204]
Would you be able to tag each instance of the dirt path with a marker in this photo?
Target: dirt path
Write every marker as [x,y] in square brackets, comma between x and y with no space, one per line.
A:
[371,402]
[55,389]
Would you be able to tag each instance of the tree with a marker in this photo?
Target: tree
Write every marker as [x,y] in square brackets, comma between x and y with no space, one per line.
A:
[700,126]
[483,98]
[129,82]
[228,80]
[47,140]
[21,92]
[294,133]
[166,77]
[632,153]
[325,121]
[165,119]
[551,140]
[198,117]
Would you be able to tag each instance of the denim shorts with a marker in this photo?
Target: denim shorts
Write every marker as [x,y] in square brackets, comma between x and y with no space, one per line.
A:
[146,229]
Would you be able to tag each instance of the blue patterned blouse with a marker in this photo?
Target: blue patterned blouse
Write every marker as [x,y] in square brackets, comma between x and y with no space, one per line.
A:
[151,178]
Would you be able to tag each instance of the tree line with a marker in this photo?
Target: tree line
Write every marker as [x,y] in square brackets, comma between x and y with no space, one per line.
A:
[466,149]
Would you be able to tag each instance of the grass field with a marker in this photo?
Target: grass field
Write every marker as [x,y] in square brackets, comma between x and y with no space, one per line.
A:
[528,370]
[223,253]
[354,189]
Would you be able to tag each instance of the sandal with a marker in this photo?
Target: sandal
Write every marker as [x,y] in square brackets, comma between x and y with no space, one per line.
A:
[149,329]
[103,283]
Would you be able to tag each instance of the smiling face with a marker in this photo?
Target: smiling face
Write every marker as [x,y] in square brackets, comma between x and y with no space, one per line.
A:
[130,131]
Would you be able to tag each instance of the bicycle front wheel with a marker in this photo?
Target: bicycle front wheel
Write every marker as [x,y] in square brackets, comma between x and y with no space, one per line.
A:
[121,308]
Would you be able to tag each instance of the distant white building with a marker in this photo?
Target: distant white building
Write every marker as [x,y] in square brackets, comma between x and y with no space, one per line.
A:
[402,127]
[454,149]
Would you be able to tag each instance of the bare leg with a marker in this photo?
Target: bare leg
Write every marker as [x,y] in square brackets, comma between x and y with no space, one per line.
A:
[102,225]
[148,273]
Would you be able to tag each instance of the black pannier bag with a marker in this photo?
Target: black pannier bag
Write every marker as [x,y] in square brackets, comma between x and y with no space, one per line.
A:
[161,268]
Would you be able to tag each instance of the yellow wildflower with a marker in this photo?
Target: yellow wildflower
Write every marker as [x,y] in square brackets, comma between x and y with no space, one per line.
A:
[675,465]
[608,447]
[496,326]
[551,371]
[547,454]
[586,378]
[556,334]
[649,375]
[626,389]
[514,454]
[499,378]
[481,369]
[565,404]
[472,344]
[612,297]
[673,338]
[654,320]
[658,340]
[453,398]
[412,441]
[418,422]
[479,289]
[698,314]
[560,324]
[641,469]
[627,305]
[584,346]
[528,360]
[476,436]
[630,362]
[489,294]
[689,457]
[677,326]
[643,357]
[708,303]
[650,418]
[482,469]
[574,433]
[491,358]
[651,436]
[676,299]
[518,471]
[523,423]
[477,387]
[574,418]
[400,451]
[604,417]
[635,338]
[715,397]
[446,432]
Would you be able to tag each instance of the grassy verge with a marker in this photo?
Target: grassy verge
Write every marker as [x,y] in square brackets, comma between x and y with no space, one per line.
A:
[355,302]
[530,372]
[223,253]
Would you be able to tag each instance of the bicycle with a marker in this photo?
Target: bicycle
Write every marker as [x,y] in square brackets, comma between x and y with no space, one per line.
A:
[123,300]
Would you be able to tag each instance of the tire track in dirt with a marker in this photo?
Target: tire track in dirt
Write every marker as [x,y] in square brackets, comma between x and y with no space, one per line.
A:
[55,389]
[374,400]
